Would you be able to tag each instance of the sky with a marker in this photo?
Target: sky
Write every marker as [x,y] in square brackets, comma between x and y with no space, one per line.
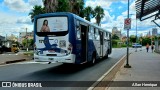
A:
[14,16]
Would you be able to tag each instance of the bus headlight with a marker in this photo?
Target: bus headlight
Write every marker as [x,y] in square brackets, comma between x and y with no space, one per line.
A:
[70,48]
[62,43]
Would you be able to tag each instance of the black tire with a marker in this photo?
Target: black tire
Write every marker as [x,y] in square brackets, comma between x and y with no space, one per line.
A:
[106,56]
[15,51]
[1,52]
[93,61]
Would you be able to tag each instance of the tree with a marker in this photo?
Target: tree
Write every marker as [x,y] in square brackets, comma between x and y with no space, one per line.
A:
[146,40]
[99,14]
[24,42]
[31,42]
[50,5]
[77,7]
[132,38]
[88,13]
[74,6]
[35,11]
[115,37]
[63,6]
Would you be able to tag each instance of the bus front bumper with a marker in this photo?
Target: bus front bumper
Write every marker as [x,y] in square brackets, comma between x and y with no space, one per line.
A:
[62,59]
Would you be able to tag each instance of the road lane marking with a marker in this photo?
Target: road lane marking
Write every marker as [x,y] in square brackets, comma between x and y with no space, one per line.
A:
[32,62]
[104,75]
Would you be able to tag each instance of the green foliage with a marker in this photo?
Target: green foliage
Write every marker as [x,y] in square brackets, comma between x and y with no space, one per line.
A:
[78,8]
[88,13]
[114,36]
[99,14]
[35,11]
[145,41]
[30,42]
[123,45]
[74,6]
[63,6]
[132,39]
[114,42]
[24,42]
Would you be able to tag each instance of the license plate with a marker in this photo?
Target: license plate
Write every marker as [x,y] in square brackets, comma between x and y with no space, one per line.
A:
[51,58]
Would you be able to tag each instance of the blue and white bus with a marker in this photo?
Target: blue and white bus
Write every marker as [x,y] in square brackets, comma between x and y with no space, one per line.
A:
[67,38]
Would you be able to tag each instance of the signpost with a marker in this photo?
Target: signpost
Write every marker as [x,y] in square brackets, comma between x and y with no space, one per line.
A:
[127,24]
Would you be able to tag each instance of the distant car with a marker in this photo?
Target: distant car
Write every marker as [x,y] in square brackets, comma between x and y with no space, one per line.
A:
[136,45]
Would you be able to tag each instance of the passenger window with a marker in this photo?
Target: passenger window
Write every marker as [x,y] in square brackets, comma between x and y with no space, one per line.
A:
[78,34]
[78,30]
[97,35]
[90,33]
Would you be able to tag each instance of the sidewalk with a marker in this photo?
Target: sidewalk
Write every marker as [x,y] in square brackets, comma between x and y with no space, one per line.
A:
[145,67]
[12,58]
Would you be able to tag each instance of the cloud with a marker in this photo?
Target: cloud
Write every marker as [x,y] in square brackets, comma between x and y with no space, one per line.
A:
[103,3]
[17,5]
[17,22]
[24,20]
[35,2]
[107,18]
[6,18]
[21,5]
[10,25]
[120,7]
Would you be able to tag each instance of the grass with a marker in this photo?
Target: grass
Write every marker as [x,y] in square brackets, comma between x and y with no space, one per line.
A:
[120,46]
[29,53]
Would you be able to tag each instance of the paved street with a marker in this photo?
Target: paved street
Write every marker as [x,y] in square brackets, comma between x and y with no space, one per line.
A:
[31,71]
[8,57]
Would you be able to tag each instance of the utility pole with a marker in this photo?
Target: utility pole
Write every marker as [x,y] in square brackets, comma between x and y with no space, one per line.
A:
[127,62]
[136,33]
[27,40]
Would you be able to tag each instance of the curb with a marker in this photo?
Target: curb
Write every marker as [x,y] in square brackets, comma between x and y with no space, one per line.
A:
[13,61]
[108,76]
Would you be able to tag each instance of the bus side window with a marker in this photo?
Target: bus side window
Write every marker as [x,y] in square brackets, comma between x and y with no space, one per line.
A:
[78,34]
[107,36]
[89,33]
[92,32]
[97,34]
[78,30]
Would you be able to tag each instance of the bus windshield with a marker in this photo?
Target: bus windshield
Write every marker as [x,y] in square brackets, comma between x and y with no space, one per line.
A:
[52,24]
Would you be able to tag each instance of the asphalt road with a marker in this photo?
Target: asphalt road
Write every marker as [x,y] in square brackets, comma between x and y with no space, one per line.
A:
[30,71]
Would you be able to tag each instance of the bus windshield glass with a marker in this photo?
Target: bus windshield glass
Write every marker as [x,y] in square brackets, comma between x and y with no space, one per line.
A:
[52,24]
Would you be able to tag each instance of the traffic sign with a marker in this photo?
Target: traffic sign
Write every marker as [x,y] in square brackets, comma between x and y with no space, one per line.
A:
[127,23]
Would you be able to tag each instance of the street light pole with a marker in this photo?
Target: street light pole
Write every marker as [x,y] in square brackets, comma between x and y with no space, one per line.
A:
[136,34]
[26,39]
[127,62]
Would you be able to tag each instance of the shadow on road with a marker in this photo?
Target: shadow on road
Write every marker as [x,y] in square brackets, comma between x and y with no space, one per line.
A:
[60,72]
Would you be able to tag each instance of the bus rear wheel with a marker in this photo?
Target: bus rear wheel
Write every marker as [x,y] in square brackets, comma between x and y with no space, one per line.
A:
[93,61]
[106,56]
[15,51]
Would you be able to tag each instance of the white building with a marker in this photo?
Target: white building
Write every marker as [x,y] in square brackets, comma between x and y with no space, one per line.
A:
[154,32]
[116,32]
[22,36]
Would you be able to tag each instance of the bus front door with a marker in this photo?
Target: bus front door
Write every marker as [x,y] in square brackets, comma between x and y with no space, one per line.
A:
[84,41]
